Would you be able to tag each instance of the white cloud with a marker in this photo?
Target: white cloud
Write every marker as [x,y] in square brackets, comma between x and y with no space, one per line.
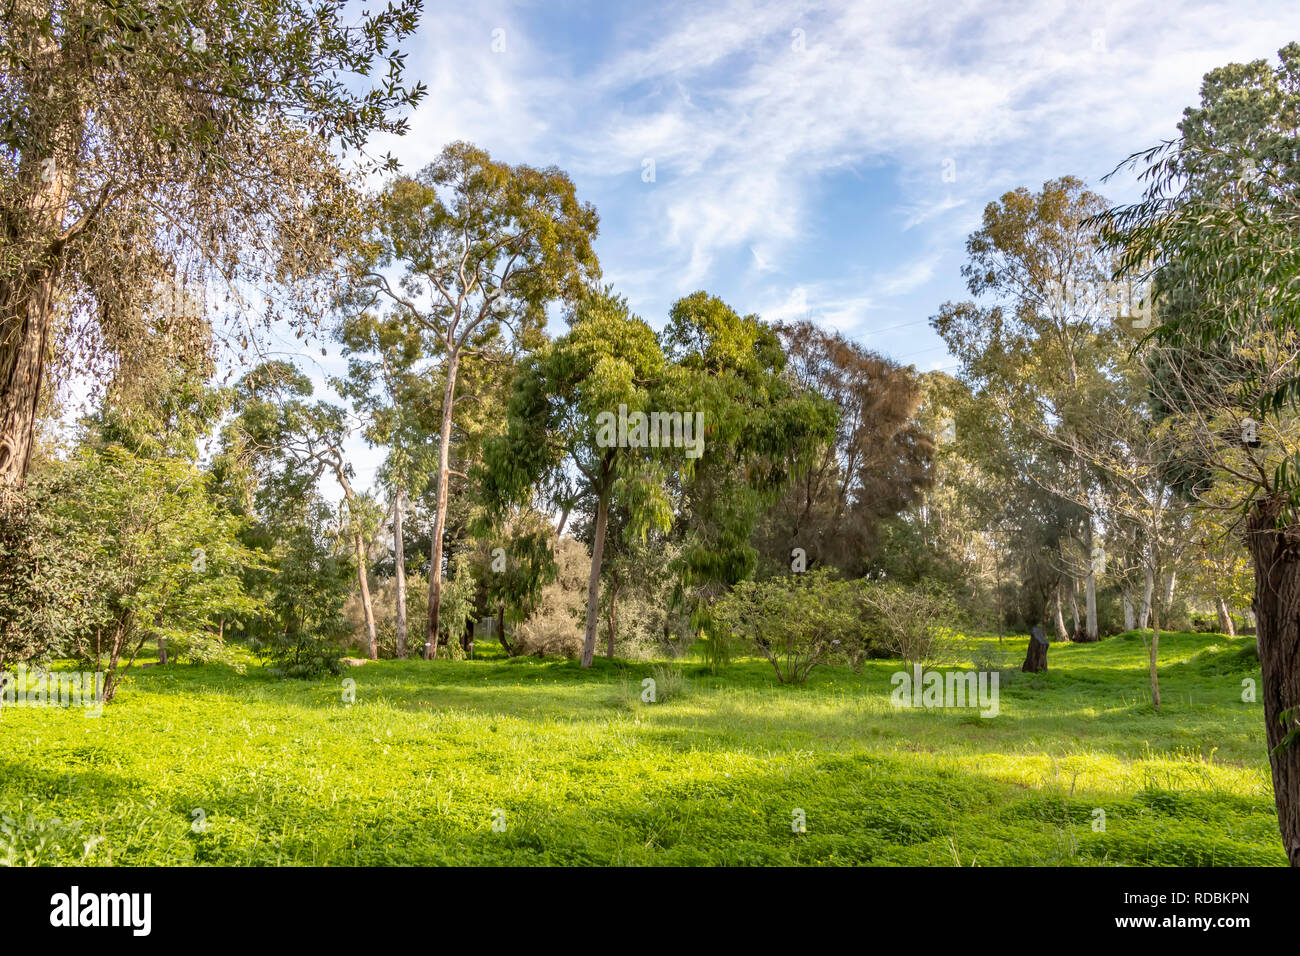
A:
[743,128]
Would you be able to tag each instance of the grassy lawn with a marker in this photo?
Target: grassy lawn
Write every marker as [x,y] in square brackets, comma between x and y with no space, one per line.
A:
[284,772]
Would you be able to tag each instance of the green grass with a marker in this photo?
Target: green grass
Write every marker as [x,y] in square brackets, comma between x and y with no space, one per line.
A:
[285,772]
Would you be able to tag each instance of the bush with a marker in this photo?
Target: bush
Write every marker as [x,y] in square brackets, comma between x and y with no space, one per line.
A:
[557,625]
[298,653]
[911,622]
[797,621]
[669,681]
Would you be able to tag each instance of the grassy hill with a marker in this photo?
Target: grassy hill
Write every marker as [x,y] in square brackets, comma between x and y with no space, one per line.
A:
[201,764]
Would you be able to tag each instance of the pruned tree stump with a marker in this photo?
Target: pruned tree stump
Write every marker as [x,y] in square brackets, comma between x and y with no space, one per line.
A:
[1036,656]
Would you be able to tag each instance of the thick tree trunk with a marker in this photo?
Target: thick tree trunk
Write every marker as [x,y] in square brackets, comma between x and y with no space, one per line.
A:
[593,584]
[1170,582]
[25,315]
[399,565]
[363,579]
[440,515]
[1036,655]
[162,650]
[1225,618]
[33,244]
[1130,619]
[1276,556]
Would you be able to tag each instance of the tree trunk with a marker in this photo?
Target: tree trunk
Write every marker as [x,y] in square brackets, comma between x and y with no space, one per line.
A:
[440,515]
[1036,655]
[1225,618]
[1091,631]
[501,629]
[1144,617]
[25,316]
[593,584]
[1061,633]
[363,579]
[609,638]
[1074,609]
[1169,589]
[34,261]
[1275,553]
[1130,619]
[399,565]
[162,649]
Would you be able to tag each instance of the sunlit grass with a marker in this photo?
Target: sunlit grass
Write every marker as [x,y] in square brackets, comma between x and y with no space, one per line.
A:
[575,769]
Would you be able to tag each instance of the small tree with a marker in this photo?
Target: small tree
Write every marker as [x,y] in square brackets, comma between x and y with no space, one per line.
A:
[151,554]
[912,622]
[797,621]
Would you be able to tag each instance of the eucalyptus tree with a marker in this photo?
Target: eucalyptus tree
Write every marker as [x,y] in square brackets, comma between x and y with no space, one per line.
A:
[608,364]
[144,140]
[763,427]
[301,440]
[1044,348]
[388,384]
[481,248]
[1218,222]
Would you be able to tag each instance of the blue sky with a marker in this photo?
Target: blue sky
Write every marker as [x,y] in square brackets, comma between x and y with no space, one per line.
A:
[799,150]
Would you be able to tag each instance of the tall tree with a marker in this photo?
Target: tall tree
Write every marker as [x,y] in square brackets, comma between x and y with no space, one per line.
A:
[388,384]
[1219,217]
[143,140]
[1045,348]
[764,429]
[874,468]
[609,364]
[483,248]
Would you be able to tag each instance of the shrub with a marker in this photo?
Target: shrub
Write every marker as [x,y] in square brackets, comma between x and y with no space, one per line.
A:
[797,621]
[669,681]
[912,622]
[557,624]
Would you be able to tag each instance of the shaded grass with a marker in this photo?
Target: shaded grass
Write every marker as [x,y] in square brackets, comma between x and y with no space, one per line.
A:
[581,771]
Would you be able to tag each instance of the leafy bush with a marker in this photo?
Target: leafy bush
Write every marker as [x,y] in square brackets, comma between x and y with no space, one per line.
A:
[797,621]
[298,653]
[913,622]
[557,624]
